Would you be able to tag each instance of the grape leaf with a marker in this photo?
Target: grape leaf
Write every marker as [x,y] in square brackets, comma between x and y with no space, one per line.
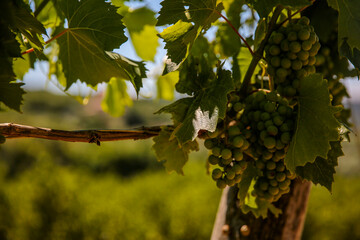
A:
[257,206]
[189,18]
[17,15]
[116,98]
[166,85]
[352,54]
[316,125]
[167,149]
[94,29]
[10,93]
[349,28]
[264,7]
[48,16]
[322,170]
[249,174]
[141,25]
[203,109]
[178,109]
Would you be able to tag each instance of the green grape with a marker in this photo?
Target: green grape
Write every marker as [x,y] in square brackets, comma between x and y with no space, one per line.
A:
[216,151]
[284,185]
[285,137]
[214,134]
[279,144]
[273,190]
[260,126]
[303,55]
[289,91]
[285,63]
[273,183]
[296,65]
[269,123]
[304,20]
[225,161]
[268,197]
[272,130]
[267,155]
[264,186]
[231,174]
[277,37]
[270,165]
[275,61]
[292,36]
[237,178]
[238,107]
[265,116]
[238,154]
[270,174]
[221,183]
[272,96]
[280,167]
[269,107]
[295,47]
[263,135]
[233,131]
[303,34]
[238,141]
[270,142]
[216,174]
[230,182]
[274,50]
[209,143]
[281,72]
[256,116]
[284,45]
[280,176]
[212,159]
[226,153]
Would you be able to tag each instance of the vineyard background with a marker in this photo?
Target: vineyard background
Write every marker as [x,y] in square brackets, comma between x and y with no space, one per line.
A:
[119,191]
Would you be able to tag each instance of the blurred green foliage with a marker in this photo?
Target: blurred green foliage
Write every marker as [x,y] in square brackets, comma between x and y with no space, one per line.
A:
[55,190]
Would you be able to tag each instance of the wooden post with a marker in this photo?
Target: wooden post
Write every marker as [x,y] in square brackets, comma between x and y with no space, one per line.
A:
[288,226]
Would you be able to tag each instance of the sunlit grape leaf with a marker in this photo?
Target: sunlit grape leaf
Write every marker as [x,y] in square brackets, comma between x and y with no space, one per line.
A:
[316,125]
[257,206]
[322,170]
[18,16]
[48,16]
[189,19]
[84,47]
[178,109]
[249,174]
[204,108]
[168,150]
[166,85]
[116,98]
[260,32]
[141,25]
[264,7]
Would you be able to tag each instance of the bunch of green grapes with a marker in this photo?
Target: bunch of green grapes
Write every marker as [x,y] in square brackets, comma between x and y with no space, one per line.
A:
[269,122]
[227,145]
[290,53]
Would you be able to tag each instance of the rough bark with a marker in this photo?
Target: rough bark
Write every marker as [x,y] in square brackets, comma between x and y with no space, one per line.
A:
[288,226]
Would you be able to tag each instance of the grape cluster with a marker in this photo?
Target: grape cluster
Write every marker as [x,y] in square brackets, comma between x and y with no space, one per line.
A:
[290,54]
[270,122]
[258,133]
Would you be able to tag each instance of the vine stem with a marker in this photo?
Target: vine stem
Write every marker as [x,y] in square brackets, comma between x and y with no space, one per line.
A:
[48,41]
[12,130]
[259,53]
[236,31]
